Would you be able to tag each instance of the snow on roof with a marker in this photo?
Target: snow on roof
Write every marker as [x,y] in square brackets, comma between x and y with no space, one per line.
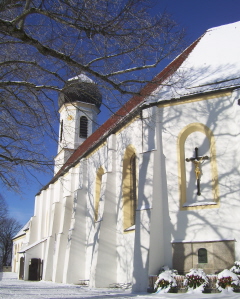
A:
[22,230]
[32,245]
[202,240]
[82,78]
[213,64]
[210,63]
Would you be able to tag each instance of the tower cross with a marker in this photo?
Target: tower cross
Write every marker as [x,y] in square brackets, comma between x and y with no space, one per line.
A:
[197,160]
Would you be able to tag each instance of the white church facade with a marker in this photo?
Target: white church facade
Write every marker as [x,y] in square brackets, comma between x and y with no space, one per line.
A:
[157,184]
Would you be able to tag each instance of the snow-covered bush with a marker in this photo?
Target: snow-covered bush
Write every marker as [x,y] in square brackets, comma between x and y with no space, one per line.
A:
[165,282]
[196,280]
[227,281]
[236,268]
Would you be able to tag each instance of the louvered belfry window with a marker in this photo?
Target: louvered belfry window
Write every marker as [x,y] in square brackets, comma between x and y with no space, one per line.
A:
[61,131]
[83,132]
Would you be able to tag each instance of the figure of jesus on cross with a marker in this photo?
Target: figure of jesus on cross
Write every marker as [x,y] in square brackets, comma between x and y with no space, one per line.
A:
[197,160]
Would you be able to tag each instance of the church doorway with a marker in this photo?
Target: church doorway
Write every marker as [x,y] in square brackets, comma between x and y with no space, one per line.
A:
[35,269]
[21,269]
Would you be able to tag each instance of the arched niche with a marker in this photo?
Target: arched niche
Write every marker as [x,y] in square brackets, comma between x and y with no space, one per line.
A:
[197,135]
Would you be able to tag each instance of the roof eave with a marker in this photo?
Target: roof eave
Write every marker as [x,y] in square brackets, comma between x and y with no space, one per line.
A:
[190,96]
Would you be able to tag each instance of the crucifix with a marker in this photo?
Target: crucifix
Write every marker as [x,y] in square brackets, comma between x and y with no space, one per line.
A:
[197,160]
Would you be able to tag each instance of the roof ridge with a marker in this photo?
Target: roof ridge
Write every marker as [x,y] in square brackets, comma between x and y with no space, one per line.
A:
[224,25]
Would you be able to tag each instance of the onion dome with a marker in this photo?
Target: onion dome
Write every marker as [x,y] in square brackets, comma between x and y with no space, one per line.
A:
[80,89]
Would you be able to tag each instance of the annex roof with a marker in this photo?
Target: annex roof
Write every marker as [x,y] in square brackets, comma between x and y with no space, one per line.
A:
[22,230]
[32,245]
[213,64]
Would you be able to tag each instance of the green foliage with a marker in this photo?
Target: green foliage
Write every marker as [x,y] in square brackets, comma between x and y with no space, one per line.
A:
[226,282]
[194,281]
[162,284]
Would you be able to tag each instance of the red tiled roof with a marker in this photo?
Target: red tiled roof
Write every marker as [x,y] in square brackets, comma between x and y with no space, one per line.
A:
[100,134]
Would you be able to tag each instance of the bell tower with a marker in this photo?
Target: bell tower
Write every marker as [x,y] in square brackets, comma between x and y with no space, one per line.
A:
[79,103]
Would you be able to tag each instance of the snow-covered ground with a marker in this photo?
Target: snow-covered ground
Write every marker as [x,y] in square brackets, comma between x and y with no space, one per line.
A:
[12,288]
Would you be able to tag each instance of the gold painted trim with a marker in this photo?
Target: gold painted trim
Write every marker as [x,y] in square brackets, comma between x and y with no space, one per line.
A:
[127,125]
[126,182]
[185,132]
[95,150]
[98,186]
[116,133]
[194,99]
[20,237]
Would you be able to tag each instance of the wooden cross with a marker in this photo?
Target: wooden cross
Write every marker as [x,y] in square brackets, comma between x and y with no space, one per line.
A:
[197,160]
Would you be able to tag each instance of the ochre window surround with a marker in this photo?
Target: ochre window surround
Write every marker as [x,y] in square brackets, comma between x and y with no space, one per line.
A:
[185,132]
[98,185]
[129,188]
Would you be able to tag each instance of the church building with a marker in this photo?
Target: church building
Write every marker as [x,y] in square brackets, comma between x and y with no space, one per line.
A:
[157,184]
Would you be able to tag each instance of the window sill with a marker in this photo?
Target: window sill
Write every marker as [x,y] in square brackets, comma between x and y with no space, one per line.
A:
[129,229]
[195,204]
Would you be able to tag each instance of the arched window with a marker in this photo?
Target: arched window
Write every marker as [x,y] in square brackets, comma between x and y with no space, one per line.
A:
[129,190]
[83,131]
[202,256]
[99,175]
[133,191]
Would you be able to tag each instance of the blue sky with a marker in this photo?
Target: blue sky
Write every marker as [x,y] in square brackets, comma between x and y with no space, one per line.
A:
[196,16]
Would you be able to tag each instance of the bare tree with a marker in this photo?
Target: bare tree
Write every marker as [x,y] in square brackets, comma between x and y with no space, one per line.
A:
[3,209]
[9,228]
[45,42]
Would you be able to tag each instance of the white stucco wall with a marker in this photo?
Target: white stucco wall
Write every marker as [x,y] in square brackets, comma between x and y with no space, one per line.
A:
[78,248]
[218,114]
